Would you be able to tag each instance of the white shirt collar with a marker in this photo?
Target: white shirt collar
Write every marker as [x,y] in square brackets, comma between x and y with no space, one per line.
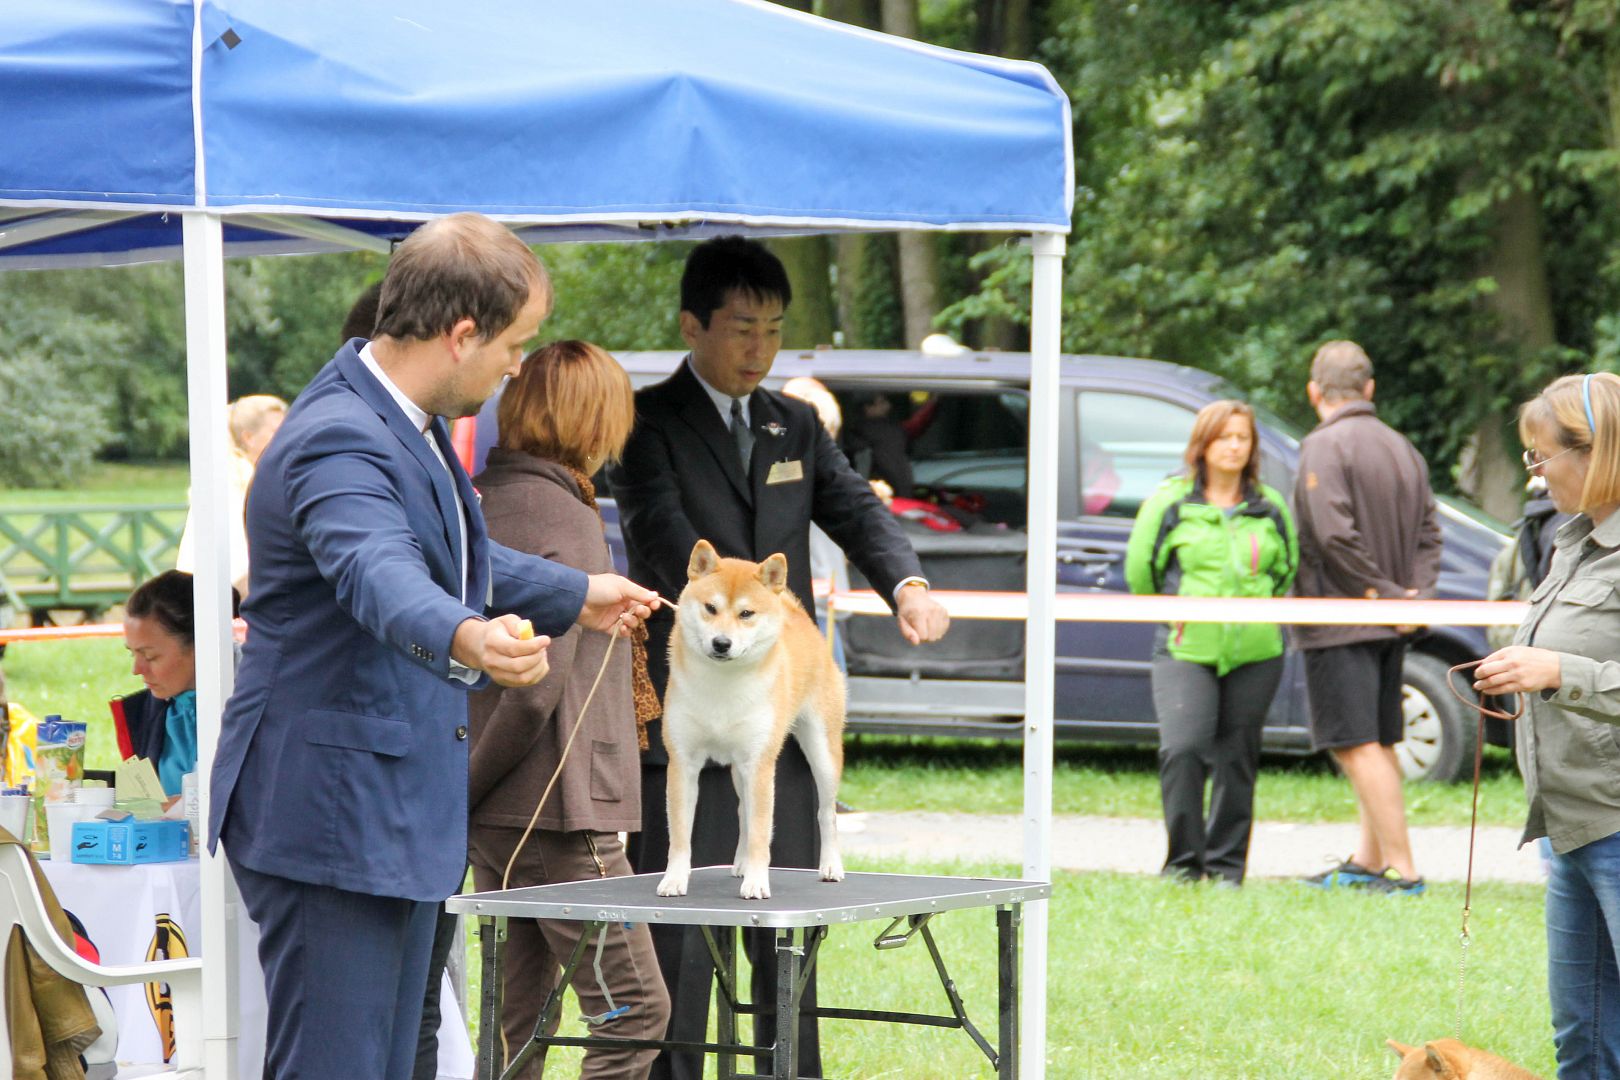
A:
[413,412]
[721,401]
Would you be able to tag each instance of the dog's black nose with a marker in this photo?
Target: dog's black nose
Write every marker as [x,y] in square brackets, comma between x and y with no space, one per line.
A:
[721,645]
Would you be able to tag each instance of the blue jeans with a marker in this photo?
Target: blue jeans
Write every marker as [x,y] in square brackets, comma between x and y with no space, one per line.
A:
[1583,978]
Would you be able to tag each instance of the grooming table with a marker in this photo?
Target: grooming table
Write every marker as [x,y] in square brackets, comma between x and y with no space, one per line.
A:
[800,910]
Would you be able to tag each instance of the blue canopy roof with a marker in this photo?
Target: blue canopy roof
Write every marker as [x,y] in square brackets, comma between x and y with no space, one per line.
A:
[620,119]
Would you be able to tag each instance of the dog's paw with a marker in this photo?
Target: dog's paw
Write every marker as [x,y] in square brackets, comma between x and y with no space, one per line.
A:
[737,868]
[673,884]
[832,869]
[756,885]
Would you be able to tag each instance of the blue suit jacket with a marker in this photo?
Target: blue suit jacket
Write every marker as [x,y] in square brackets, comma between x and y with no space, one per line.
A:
[342,758]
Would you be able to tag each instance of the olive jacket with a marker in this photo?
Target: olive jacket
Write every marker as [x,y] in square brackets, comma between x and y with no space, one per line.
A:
[1568,741]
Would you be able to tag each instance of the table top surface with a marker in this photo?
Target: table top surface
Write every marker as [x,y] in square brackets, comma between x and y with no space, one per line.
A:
[798,898]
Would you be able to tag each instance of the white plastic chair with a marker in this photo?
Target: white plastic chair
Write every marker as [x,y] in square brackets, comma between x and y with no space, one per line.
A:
[21,905]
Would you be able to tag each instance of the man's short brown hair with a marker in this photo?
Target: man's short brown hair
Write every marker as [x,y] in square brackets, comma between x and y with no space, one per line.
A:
[464,266]
[572,403]
[1341,370]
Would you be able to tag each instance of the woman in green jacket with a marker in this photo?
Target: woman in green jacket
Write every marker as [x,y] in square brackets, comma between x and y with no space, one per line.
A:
[1214,530]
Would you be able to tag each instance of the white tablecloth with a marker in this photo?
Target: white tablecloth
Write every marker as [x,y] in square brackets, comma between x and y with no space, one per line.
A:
[119,906]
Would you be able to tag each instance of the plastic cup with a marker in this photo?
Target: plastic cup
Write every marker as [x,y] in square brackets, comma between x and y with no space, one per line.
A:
[14,814]
[59,819]
[98,798]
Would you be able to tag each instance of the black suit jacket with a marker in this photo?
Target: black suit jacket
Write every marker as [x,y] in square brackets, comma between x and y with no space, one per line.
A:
[680,481]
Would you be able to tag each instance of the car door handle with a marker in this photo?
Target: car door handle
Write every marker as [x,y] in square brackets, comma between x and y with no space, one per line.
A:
[1089,557]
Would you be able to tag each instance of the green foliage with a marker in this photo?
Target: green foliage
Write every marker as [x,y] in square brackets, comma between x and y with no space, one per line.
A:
[55,401]
[287,317]
[876,318]
[1255,178]
[619,296]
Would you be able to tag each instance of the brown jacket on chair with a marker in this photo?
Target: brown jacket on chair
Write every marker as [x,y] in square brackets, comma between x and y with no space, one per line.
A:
[48,1017]
[535,506]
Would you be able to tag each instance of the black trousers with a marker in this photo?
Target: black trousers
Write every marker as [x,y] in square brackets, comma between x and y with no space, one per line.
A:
[1209,731]
[682,955]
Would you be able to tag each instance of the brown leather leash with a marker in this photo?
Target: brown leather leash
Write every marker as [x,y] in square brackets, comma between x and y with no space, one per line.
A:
[1473,702]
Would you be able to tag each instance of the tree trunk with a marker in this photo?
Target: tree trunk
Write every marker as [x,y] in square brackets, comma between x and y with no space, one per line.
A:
[855,12]
[1004,27]
[809,320]
[1522,303]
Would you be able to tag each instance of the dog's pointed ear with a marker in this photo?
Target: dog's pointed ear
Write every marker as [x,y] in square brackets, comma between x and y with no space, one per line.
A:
[773,572]
[705,561]
[1400,1049]
[1439,1062]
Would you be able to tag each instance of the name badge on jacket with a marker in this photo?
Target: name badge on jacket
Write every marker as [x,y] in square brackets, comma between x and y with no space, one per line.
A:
[785,472]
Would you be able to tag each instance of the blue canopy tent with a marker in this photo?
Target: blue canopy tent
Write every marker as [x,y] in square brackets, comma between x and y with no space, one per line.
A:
[148,129]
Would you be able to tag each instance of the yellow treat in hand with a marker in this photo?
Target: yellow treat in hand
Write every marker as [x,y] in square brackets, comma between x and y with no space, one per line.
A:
[525,630]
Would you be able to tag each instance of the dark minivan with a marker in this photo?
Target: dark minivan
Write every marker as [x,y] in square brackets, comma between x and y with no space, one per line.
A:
[951,434]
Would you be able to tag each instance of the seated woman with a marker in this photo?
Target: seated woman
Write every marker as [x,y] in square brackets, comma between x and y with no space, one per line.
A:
[160,722]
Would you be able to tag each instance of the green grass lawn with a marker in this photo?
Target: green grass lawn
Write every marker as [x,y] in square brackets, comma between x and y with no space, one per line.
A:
[1156,981]
[986,776]
[1147,979]
[111,482]
[75,679]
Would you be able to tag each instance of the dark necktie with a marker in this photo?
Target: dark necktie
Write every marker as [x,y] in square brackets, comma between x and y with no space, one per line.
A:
[741,435]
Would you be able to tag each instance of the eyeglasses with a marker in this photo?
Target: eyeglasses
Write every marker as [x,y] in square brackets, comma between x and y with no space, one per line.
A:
[1533,460]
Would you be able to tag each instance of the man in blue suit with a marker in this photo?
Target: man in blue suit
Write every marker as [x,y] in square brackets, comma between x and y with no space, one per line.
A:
[378,601]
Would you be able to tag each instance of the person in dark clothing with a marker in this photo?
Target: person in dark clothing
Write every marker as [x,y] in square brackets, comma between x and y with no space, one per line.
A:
[715,456]
[1523,564]
[1367,529]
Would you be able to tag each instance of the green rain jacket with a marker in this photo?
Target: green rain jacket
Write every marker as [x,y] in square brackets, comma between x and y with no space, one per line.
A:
[1184,546]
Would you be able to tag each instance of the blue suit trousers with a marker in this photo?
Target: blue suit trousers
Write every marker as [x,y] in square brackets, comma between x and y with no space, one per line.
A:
[343,974]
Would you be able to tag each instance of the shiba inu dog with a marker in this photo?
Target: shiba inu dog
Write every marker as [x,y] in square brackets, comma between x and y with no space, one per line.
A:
[1453,1060]
[748,668]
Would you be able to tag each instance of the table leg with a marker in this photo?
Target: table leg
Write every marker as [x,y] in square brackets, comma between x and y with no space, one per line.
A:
[786,1057]
[725,1013]
[491,942]
[1008,919]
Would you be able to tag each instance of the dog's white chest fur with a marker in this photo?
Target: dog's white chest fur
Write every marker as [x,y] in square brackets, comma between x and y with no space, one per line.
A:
[722,712]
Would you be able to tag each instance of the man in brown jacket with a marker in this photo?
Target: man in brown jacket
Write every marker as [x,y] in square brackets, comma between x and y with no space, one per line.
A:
[1367,529]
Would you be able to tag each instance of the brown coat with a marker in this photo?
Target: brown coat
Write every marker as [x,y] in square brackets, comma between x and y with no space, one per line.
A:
[518,735]
[48,1017]
[1367,526]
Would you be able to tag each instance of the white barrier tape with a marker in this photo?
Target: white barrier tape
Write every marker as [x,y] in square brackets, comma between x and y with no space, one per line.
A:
[1290,611]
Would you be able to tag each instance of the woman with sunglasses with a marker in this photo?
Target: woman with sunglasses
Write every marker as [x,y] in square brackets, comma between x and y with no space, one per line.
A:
[1565,661]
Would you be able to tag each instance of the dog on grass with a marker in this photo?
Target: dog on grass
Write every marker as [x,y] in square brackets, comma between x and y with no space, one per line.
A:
[1451,1060]
[748,668]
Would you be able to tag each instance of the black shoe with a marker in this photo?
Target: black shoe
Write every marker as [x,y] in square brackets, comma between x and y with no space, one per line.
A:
[1348,874]
[1390,883]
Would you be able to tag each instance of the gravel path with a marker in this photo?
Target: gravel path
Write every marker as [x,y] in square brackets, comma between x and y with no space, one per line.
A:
[1136,845]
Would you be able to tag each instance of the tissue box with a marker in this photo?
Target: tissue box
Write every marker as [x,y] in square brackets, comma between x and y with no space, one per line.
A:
[129,842]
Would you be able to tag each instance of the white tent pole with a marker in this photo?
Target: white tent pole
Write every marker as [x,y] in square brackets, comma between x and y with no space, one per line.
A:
[1040,644]
[210,493]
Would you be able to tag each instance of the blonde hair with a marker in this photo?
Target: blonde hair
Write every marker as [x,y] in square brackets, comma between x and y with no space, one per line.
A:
[247,416]
[815,393]
[1562,407]
[571,402]
[1206,429]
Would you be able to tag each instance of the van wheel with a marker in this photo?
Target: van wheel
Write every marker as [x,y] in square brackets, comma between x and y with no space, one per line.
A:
[1440,730]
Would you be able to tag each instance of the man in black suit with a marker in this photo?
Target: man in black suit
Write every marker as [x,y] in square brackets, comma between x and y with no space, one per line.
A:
[715,457]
